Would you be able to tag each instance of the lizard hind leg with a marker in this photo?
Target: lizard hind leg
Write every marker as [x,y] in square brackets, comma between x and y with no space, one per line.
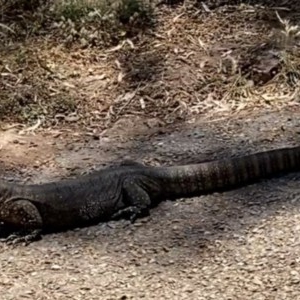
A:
[25,217]
[136,199]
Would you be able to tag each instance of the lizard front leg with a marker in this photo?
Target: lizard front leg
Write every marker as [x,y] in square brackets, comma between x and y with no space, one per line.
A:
[22,214]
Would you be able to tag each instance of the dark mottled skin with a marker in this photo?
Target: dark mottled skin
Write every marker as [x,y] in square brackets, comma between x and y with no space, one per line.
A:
[131,189]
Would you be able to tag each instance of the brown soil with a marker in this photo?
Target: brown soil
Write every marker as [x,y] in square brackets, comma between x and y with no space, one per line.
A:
[164,101]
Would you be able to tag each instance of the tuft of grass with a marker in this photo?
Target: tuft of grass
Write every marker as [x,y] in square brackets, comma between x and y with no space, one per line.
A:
[289,36]
[131,10]
[123,11]
[101,23]
[74,10]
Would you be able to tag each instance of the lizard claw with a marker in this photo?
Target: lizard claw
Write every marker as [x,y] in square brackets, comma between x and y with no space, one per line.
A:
[18,238]
[131,213]
[133,217]
[10,238]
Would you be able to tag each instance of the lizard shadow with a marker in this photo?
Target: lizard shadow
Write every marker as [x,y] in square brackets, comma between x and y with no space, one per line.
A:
[222,216]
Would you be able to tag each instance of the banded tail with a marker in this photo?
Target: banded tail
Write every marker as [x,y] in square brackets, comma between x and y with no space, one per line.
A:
[197,179]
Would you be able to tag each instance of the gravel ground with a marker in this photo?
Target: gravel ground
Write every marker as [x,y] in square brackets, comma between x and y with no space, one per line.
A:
[242,244]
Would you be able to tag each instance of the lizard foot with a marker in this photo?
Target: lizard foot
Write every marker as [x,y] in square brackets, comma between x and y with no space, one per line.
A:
[20,237]
[130,212]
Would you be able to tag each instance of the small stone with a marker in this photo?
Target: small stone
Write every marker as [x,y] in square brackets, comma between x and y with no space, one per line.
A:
[55,267]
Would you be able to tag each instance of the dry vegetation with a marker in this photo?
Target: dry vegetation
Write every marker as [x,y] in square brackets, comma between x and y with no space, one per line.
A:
[95,61]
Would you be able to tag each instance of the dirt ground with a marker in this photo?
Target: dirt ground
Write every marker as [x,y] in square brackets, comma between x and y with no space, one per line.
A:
[207,82]
[242,244]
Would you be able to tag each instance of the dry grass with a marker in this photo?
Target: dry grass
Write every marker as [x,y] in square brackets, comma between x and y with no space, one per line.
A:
[192,62]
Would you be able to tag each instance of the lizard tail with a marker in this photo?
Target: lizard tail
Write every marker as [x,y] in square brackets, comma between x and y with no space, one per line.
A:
[224,174]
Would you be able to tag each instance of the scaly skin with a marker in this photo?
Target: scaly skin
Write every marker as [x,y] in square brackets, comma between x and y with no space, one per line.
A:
[130,190]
